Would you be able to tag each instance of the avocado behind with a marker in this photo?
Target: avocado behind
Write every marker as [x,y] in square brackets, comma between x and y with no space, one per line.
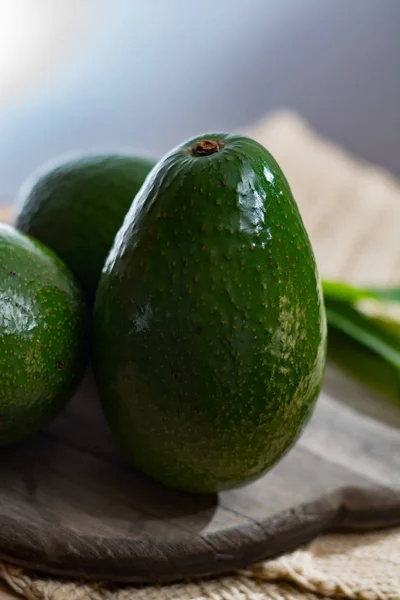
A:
[76,207]
[211,302]
[43,328]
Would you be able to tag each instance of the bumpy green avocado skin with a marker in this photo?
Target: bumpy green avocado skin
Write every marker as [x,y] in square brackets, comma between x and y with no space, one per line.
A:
[43,327]
[77,207]
[211,303]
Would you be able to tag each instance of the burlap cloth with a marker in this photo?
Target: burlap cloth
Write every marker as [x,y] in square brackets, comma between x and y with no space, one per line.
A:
[352,212]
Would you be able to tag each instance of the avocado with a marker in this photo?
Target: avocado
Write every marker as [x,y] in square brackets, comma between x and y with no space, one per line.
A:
[43,330]
[77,206]
[211,303]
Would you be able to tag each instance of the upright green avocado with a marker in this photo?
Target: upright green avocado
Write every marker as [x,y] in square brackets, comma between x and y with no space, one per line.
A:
[211,305]
[43,326]
[77,207]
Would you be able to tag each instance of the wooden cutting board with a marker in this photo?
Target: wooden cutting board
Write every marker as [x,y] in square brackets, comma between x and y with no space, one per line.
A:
[71,504]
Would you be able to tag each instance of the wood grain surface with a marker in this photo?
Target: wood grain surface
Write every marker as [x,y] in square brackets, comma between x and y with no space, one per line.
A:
[71,503]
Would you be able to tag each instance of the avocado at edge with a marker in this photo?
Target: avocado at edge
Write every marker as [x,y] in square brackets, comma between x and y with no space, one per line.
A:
[77,206]
[43,335]
[211,301]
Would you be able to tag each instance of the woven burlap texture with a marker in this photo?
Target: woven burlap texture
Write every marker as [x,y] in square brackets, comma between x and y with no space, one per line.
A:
[352,212]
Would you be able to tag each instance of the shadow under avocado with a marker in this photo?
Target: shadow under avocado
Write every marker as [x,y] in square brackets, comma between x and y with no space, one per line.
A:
[73,474]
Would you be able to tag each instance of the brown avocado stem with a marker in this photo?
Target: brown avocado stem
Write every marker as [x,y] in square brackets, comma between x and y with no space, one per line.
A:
[206,147]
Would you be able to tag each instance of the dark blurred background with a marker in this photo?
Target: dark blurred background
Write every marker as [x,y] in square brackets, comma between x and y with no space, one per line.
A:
[145,74]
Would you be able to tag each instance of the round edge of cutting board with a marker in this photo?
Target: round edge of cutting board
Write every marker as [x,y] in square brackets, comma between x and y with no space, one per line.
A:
[151,562]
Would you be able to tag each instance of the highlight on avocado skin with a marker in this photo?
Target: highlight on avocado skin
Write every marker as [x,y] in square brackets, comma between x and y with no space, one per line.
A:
[211,305]
[43,335]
